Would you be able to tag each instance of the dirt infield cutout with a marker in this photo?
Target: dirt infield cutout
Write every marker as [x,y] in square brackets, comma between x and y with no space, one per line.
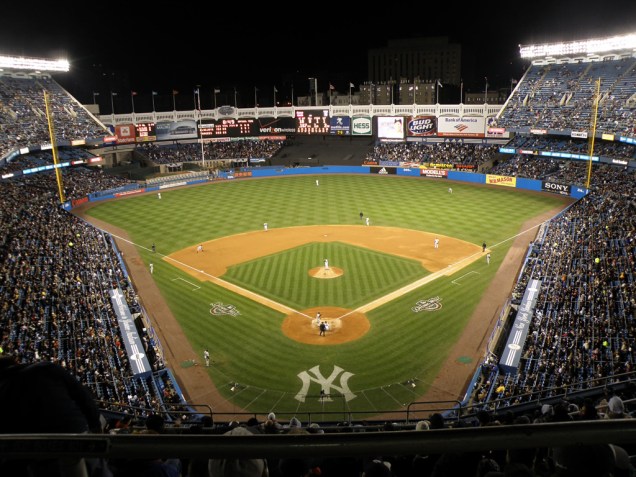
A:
[346,325]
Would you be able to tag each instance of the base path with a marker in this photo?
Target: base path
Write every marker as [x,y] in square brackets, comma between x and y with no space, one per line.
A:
[455,373]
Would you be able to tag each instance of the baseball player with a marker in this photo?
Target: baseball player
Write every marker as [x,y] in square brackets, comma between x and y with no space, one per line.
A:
[265,226]
[436,242]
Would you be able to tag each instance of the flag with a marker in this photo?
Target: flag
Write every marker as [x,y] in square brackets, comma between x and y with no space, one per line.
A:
[217,91]
[514,81]
[439,83]
[351,85]
[154,93]
[275,90]
[95,94]
[174,91]
[331,87]
[113,94]
[133,93]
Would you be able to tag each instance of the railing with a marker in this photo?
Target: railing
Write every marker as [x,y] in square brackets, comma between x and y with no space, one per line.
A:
[355,444]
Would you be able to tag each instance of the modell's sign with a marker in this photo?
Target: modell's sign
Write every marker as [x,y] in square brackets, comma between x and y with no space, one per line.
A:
[556,188]
[434,172]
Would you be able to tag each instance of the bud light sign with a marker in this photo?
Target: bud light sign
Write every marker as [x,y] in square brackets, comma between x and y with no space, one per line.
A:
[422,126]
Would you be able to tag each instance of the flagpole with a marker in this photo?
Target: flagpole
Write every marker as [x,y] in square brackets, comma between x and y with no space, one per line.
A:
[292,96]
[235,105]
[437,92]
[112,103]
[255,98]
[274,96]
[153,101]
[350,93]
[132,101]
[486,91]
[461,92]
[174,101]
[215,90]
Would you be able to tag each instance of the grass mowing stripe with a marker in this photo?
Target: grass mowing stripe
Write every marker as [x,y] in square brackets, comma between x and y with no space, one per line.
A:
[400,344]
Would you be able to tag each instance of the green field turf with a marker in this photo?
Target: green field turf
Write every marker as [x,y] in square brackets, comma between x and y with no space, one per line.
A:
[396,361]
[369,275]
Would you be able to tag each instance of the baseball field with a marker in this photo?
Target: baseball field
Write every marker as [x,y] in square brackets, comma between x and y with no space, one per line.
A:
[399,309]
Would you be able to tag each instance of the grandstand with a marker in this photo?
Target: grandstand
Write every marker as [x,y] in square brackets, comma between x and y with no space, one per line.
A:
[62,278]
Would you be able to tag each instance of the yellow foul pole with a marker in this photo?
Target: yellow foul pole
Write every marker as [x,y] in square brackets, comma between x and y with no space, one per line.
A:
[597,99]
[58,173]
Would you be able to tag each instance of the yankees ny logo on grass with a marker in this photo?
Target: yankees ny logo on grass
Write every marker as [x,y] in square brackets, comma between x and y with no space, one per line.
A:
[430,304]
[326,384]
[221,309]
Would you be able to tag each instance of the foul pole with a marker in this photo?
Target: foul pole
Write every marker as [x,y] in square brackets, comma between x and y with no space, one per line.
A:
[58,173]
[597,99]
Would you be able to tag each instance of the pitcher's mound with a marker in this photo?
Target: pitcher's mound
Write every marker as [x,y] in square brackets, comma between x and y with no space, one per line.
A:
[331,272]
[344,325]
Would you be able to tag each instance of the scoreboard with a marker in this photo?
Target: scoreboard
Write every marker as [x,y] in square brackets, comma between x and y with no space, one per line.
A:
[312,121]
[228,127]
[145,132]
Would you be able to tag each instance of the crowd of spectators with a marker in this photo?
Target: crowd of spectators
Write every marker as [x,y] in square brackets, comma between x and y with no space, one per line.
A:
[56,272]
[583,331]
[23,120]
[441,153]
[191,152]
[561,97]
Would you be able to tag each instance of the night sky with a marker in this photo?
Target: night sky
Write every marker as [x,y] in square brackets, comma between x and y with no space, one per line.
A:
[144,47]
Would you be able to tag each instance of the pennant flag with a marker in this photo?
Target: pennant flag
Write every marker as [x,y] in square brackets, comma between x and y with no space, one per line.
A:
[217,91]
[514,81]
[133,93]
[331,87]
[154,93]
[174,91]
[275,90]
[95,94]
[114,94]
[439,83]
[351,85]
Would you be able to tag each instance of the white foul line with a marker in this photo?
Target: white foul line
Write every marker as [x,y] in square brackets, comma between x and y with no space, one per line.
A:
[196,287]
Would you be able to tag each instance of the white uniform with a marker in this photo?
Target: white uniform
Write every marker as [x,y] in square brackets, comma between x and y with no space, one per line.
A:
[367,220]
[326,264]
[158,195]
[436,243]
[206,357]
[317,183]
[152,268]
[265,226]
[200,248]
[488,258]
[450,190]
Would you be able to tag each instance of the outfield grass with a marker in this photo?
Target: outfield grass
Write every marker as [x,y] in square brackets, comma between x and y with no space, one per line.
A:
[401,348]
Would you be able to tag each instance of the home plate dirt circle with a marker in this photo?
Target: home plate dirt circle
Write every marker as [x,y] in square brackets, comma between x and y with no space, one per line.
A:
[322,272]
[303,327]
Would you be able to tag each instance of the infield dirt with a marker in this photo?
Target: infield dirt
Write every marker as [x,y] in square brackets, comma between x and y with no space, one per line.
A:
[456,372]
